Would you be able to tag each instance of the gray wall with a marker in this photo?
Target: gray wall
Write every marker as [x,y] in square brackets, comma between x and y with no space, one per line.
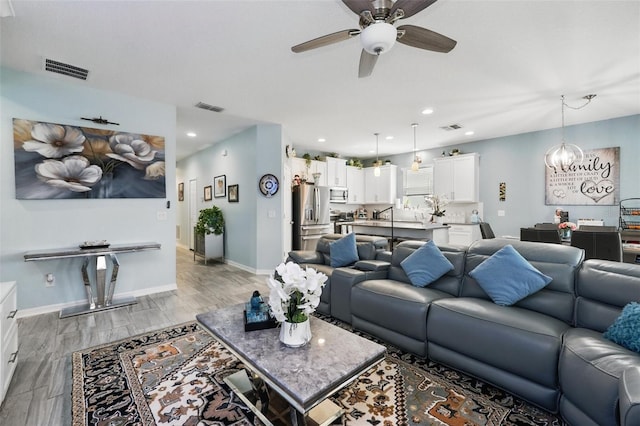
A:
[27,225]
[253,226]
[519,161]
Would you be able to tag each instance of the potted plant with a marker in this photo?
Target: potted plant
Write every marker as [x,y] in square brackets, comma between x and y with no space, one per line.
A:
[307,159]
[209,229]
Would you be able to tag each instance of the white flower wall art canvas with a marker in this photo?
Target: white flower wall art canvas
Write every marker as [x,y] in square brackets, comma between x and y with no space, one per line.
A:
[57,161]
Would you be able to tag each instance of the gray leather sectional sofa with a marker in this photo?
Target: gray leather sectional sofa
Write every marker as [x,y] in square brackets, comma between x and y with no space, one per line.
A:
[547,348]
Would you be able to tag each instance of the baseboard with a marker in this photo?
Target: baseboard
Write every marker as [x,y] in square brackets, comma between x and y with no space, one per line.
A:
[24,313]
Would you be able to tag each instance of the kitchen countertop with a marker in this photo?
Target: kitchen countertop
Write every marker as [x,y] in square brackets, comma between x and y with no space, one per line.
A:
[396,224]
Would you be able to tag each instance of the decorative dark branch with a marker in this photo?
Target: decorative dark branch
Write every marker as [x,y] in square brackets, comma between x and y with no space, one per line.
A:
[100,120]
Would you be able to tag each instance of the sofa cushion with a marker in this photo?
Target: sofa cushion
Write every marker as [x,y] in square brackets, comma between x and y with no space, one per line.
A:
[344,252]
[425,265]
[625,331]
[507,277]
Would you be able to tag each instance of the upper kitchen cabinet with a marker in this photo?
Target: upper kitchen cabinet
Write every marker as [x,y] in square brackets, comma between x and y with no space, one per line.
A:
[380,189]
[336,172]
[355,183]
[457,177]
[299,167]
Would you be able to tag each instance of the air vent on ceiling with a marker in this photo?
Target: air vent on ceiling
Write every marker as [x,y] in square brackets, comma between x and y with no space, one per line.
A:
[451,127]
[65,69]
[208,107]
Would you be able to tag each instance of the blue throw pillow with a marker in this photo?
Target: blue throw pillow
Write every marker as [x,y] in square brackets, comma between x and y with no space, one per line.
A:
[507,277]
[625,330]
[343,252]
[426,265]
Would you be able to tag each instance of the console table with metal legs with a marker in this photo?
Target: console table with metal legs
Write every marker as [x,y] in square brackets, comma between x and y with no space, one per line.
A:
[104,287]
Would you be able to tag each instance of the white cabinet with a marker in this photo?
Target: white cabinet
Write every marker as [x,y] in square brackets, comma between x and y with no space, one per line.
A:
[8,335]
[464,234]
[457,177]
[318,167]
[336,172]
[380,189]
[299,167]
[355,184]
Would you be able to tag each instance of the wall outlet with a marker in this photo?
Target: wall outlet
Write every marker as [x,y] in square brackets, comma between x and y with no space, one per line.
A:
[162,215]
[500,212]
[49,280]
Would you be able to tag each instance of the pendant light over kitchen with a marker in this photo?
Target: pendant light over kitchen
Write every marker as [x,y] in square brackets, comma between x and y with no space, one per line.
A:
[416,164]
[376,168]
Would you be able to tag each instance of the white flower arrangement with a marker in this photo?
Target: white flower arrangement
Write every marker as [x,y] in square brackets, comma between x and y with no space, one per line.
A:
[437,204]
[295,292]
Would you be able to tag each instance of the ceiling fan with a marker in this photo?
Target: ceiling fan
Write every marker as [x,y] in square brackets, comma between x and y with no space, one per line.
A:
[378,33]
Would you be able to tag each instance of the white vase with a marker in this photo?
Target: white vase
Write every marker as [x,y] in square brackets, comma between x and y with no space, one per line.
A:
[295,334]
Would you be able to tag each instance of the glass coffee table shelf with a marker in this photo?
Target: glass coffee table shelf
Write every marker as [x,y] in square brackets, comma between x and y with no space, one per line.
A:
[260,400]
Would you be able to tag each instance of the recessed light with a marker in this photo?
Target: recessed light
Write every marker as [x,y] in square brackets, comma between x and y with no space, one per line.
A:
[389,138]
[469,133]
[191,134]
[427,111]
[322,140]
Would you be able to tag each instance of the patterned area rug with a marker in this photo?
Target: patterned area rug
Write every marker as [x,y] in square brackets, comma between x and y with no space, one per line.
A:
[175,377]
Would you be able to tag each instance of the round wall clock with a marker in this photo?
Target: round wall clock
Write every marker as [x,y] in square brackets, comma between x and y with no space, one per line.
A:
[268,185]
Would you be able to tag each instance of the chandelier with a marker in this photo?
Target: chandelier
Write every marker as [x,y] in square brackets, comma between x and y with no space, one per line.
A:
[565,155]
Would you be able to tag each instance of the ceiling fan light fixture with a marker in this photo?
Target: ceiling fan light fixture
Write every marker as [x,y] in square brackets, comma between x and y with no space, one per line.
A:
[378,38]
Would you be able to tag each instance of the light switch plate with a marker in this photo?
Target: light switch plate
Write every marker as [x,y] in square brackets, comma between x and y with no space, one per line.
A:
[500,212]
[162,215]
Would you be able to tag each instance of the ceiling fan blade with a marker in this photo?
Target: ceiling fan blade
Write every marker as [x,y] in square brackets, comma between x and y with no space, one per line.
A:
[411,7]
[423,38]
[367,62]
[325,40]
[357,6]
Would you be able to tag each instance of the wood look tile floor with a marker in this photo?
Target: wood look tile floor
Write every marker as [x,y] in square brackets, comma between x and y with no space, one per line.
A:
[40,391]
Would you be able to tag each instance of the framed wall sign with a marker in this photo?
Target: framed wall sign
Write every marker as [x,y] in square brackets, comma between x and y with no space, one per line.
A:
[594,182]
[220,186]
[207,193]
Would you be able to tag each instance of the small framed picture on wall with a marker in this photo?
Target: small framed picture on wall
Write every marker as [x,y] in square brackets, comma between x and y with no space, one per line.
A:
[207,193]
[233,193]
[220,186]
[181,191]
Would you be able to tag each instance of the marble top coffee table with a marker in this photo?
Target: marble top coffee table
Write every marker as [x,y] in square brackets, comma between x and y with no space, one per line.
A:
[304,376]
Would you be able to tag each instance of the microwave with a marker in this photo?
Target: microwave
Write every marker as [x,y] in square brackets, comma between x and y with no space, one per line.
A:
[338,195]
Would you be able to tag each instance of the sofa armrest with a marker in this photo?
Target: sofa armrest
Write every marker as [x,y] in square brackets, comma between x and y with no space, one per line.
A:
[629,394]
[342,280]
[372,265]
[304,256]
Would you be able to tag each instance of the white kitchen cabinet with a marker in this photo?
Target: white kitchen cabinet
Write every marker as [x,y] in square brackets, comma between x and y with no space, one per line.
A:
[355,184]
[8,335]
[380,189]
[464,234]
[457,177]
[299,167]
[336,172]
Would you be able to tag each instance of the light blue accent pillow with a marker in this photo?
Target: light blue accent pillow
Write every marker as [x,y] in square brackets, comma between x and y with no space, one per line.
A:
[426,265]
[507,277]
[344,252]
[625,330]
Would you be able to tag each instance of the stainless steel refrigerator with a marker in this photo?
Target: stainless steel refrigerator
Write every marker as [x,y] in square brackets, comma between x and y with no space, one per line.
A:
[310,205]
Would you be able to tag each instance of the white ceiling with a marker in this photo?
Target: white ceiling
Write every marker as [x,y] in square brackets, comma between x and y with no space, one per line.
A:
[513,60]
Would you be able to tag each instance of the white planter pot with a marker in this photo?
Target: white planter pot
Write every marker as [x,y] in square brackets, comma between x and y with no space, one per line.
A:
[214,246]
[294,334]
